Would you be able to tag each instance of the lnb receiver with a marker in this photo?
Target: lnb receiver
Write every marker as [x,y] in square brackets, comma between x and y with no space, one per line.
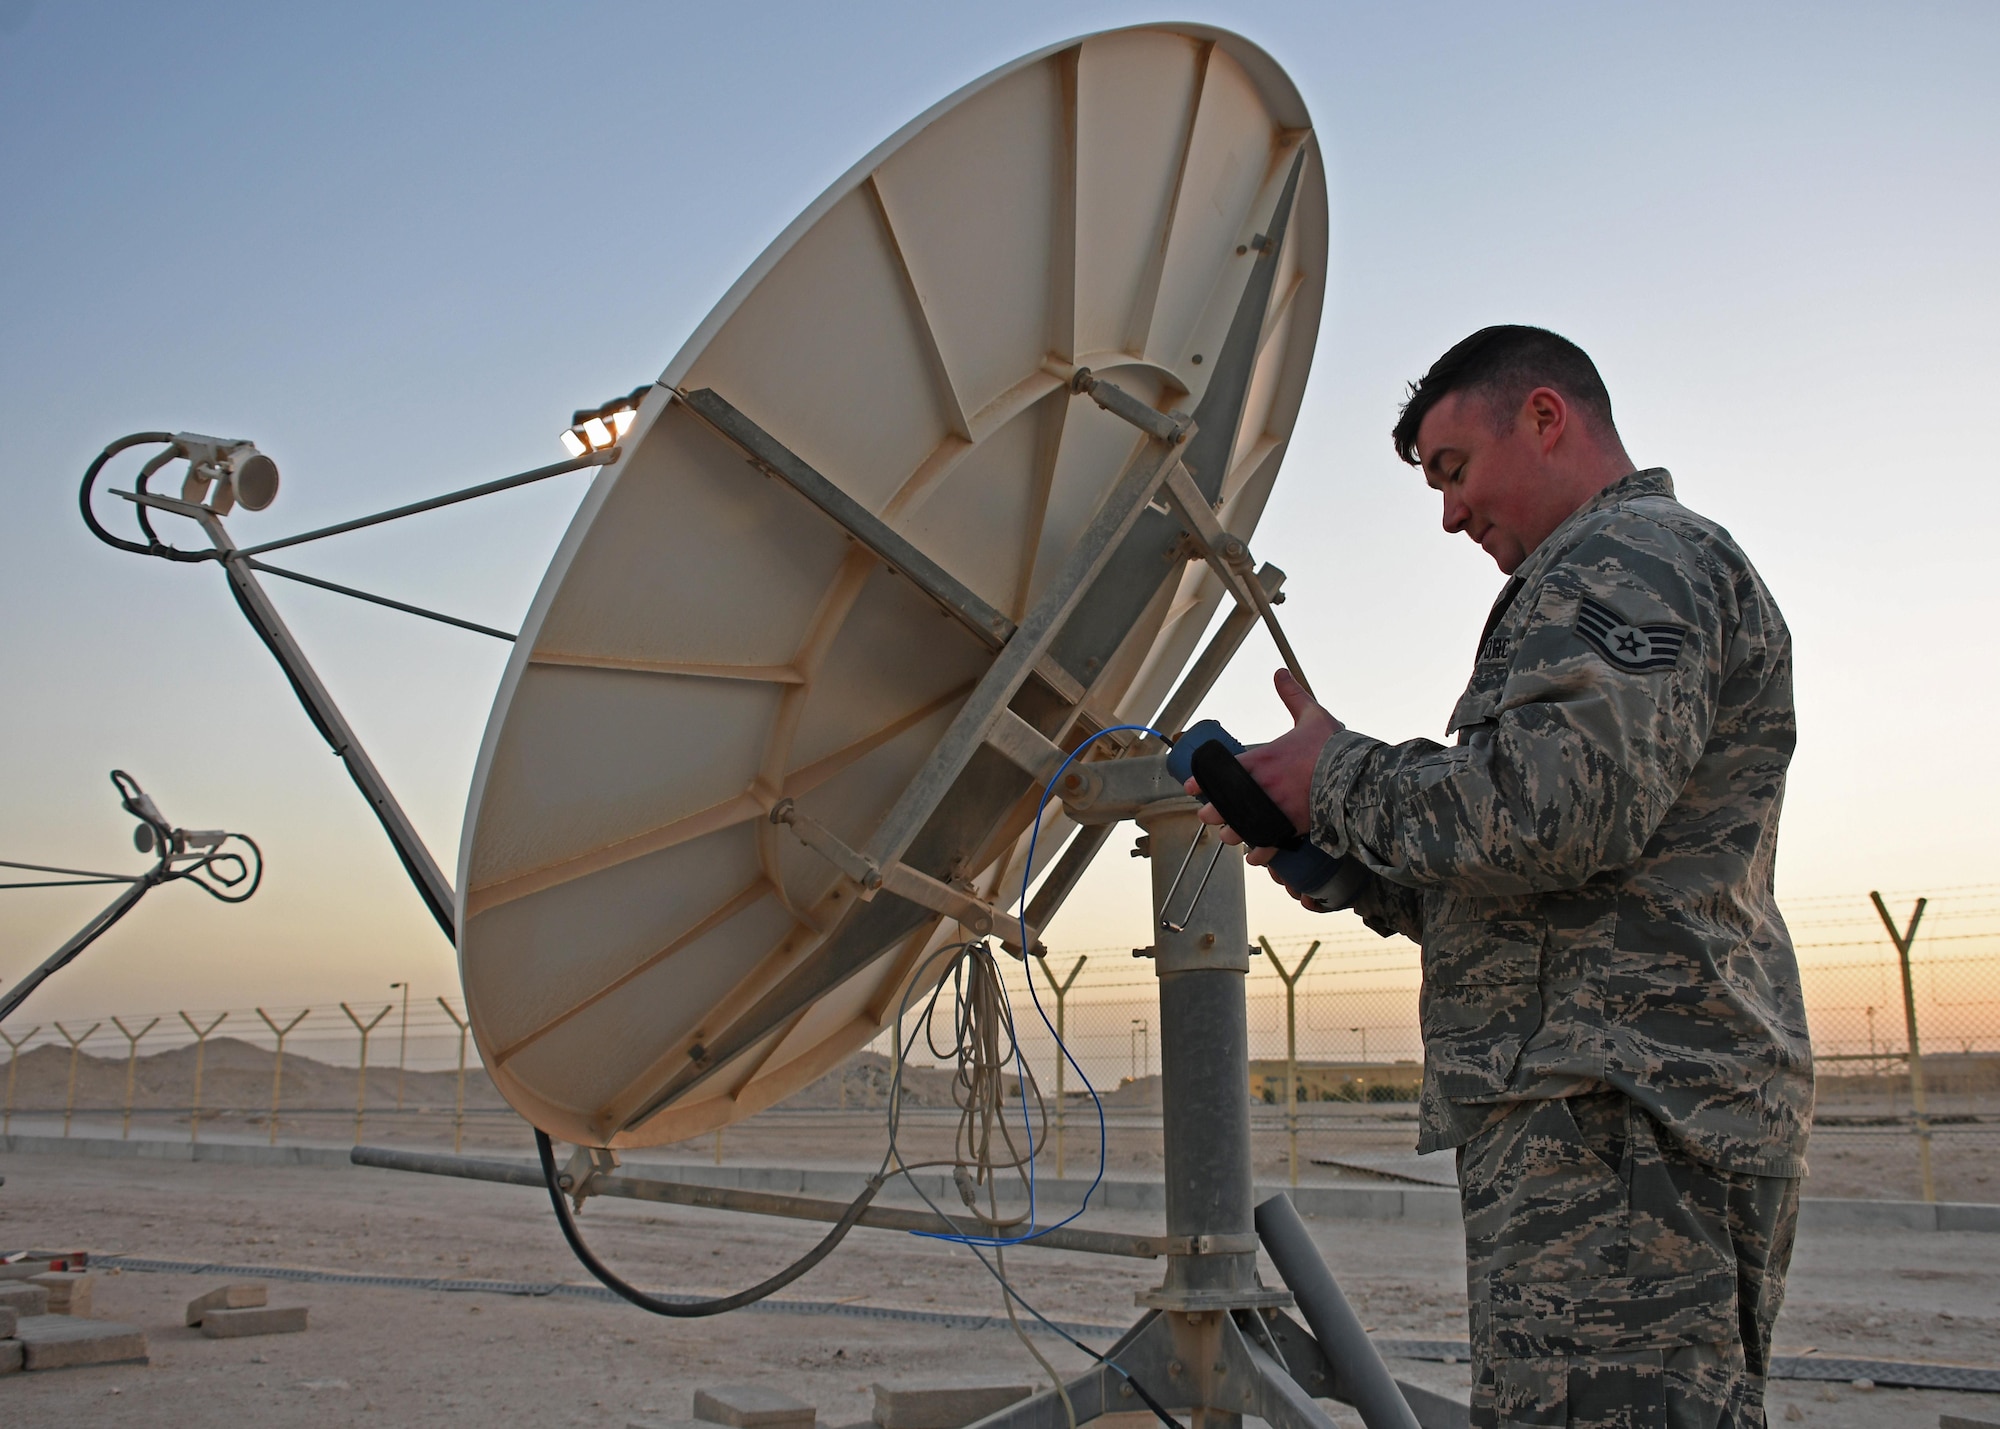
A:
[1207,754]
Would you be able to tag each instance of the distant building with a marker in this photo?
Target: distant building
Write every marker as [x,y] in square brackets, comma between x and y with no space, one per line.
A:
[1337,1081]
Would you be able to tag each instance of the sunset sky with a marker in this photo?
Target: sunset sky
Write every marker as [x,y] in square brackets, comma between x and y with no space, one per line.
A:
[396,245]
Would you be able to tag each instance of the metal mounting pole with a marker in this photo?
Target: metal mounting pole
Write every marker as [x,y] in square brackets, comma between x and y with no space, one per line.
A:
[1214,1340]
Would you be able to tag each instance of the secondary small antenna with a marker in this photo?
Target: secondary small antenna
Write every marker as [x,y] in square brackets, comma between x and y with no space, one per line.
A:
[225,866]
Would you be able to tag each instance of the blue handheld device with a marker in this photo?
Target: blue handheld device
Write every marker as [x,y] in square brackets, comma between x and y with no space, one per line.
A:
[1207,754]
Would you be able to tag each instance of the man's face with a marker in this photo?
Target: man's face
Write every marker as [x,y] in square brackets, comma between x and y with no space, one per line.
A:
[1492,470]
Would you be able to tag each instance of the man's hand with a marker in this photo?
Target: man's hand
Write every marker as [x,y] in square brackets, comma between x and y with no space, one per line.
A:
[1284,767]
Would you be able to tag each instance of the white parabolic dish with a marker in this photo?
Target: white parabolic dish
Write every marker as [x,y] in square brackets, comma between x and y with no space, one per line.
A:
[645,955]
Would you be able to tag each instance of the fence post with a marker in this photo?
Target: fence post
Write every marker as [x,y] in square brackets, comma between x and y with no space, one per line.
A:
[1291,981]
[200,1055]
[131,1067]
[14,1045]
[403,1045]
[278,1062]
[361,1090]
[1902,941]
[1061,991]
[75,1048]
[458,1112]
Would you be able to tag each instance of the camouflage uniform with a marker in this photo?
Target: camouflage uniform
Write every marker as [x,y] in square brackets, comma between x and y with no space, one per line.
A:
[1588,871]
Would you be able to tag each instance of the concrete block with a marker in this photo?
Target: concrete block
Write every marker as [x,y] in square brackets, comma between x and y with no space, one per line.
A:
[11,1354]
[941,1406]
[1967,1216]
[8,1319]
[651,1423]
[65,1342]
[253,1320]
[1959,1421]
[69,1291]
[241,1296]
[24,1299]
[752,1406]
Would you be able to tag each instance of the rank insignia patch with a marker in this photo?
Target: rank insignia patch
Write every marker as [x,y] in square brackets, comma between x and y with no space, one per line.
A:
[1628,646]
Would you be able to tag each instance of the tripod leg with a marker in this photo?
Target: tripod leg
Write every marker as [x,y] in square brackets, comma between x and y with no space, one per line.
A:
[1300,1355]
[1360,1377]
[1144,1353]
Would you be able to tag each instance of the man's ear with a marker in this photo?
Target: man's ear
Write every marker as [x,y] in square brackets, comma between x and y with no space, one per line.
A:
[1547,417]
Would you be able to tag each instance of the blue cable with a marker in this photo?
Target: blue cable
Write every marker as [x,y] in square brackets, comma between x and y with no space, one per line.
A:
[1020,1076]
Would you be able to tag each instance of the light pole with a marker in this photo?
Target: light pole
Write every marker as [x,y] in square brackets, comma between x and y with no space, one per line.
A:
[1139,1043]
[403,1044]
[1364,1040]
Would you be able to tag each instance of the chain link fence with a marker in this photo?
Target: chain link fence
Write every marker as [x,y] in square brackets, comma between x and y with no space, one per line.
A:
[1336,1061]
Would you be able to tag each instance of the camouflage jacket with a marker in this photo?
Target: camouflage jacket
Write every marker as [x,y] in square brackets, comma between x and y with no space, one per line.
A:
[1588,870]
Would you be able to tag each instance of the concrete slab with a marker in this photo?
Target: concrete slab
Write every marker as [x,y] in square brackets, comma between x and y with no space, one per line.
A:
[253,1320]
[69,1291]
[950,1405]
[241,1296]
[8,1319]
[1959,1421]
[752,1406]
[65,1342]
[668,1424]
[24,1299]
[11,1353]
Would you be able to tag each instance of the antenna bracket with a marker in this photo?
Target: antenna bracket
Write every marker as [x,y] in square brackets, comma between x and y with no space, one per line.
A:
[1170,427]
[977,916]
[1229,557]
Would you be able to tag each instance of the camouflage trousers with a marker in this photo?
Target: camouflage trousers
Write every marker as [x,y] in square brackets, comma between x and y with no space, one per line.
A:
[1613,1280]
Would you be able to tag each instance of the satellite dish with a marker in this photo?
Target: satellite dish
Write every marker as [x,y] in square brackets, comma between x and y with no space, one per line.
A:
[854,481]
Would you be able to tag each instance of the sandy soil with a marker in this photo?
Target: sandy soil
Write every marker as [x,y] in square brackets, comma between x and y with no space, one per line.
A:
[384,1356]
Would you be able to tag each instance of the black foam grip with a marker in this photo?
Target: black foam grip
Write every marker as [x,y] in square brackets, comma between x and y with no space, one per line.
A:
[1240,799]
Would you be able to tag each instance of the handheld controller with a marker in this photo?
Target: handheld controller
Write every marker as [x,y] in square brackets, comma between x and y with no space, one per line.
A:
[1207,754]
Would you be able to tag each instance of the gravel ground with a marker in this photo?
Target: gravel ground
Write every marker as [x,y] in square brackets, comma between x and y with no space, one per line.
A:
[384,1356]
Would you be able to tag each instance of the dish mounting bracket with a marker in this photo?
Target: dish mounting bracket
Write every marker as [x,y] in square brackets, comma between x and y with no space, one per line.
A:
[973,913]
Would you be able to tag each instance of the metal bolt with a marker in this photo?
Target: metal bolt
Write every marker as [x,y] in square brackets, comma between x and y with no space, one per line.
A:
[1125,1389]
[1173,1367]
[1208,940]
[1220,1369]
[1197,359]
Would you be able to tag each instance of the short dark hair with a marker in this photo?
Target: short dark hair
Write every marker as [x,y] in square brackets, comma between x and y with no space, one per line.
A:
[1505,364]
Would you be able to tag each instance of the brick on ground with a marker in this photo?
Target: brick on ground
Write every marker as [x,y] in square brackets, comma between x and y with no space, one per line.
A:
[253,1320]
[69,1291]
[24,1299]
[10,1356]
[752,1406]
[241,1296]
[65,1342]
[946,1405]
[8,1317]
